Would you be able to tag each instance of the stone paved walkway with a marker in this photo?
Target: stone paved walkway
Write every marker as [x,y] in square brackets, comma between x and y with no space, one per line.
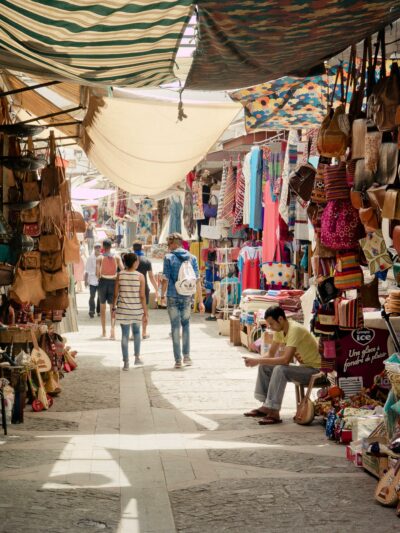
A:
[158,450]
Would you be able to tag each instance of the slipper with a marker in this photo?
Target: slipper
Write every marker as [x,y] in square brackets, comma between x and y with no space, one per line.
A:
[146,337]
[255,413]
[268,421]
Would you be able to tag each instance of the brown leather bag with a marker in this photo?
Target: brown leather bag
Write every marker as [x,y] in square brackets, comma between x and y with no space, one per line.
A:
[50,243]
[332,140]
[396,238]
[6,274]
[305,411]
[55,300]
[72,252]
[52,213]
[387,164]
[27,286]
[76,222]
[385,98]
[391,206]
[376,196]
[29,216]
[369,294]
[53,281]
[30,191]
[52,178]
[357,199]
[369,219]
[30,260]
[51,262]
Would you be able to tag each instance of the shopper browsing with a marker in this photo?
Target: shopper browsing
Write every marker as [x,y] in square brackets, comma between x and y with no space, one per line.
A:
[275,370]
[145,267]
[107,266]
[92,281]
[130,306]
[181,281]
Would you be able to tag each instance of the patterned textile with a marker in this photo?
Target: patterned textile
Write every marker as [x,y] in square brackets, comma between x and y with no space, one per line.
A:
[228,209]
[220,218]
[197,192]
[121,205]
[112,43]
[288,102]
[145,219]
[239,200]
[336,187]
[188,212]
[289,164]
[245,43]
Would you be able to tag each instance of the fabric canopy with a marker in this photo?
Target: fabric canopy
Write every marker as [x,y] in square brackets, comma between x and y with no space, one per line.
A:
[247,43]
[87,194]
[141,146]
[289,102]
[113,42]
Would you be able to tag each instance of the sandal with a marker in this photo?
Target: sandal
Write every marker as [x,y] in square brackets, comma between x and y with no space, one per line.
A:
[255,413]
[269,421]
[146,337]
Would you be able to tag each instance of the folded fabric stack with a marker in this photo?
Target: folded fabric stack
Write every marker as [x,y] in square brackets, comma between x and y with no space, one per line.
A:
[392,304]
[289,300]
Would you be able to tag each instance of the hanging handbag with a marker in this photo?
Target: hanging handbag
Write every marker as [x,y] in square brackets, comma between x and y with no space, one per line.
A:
[213,233]
[376,197]
[391,206]
[29,216]
[51,261]
[211,209]
[50,243]
[55,300]
[333,139]
[327,290]
[396,238]
[341,228]
[6,274]
[52,178]
[32,229]
[30,191]
[318,195]
[38,356]
[375,251]
[301,181]
[359,131]
[388,163]
[336,186]
[325,320]
[30,260]
[53,281]
[76,222]
[279,274]
[369,295]
[349,313]
[363,177]
[357,199]
[348,274]
[369,219]
[27,286]
[52,213]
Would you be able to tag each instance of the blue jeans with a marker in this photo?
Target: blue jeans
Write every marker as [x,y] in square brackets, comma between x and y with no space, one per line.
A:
[179,310]
[125,329]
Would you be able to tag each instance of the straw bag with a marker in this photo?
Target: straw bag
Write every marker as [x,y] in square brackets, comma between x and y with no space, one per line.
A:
[38,356]
[277,273]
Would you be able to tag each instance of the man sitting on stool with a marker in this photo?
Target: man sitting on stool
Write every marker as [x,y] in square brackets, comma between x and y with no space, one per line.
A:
[275,370]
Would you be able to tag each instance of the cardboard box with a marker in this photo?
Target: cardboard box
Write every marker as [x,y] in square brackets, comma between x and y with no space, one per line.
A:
[223,327]
[377,466]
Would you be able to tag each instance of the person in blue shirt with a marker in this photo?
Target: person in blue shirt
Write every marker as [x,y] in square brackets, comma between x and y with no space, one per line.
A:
[179,307]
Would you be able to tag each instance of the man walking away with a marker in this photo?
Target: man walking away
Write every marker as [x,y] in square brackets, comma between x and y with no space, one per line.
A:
[107,266]
[92,281]
[89,237]
[181,277]
[145,267]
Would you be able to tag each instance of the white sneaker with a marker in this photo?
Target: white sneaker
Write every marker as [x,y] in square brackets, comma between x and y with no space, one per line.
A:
[187,361]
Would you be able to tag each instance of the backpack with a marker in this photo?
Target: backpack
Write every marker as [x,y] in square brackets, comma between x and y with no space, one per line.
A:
[187,281]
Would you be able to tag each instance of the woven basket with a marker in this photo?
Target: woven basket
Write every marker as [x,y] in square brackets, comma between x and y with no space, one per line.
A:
[394,379]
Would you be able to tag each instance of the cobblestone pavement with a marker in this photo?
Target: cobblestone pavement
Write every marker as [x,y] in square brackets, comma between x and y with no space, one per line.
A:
[157,450]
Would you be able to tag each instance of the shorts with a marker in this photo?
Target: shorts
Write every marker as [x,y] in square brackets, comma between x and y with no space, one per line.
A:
[106,290]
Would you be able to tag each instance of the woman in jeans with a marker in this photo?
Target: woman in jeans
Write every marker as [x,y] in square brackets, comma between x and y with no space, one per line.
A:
[130,306]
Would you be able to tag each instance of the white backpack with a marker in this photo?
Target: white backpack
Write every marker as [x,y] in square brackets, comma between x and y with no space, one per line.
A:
[186,284]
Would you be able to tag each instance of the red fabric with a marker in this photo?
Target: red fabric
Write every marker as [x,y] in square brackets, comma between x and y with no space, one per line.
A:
[251,274]
[190,177]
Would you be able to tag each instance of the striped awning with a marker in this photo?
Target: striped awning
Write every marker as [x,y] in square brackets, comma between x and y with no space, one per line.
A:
[109,42]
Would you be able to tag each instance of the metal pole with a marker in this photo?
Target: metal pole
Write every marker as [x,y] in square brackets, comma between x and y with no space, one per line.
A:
[50,115]
[31,88]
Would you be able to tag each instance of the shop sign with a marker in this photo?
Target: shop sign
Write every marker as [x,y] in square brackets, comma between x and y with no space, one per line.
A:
[362,354]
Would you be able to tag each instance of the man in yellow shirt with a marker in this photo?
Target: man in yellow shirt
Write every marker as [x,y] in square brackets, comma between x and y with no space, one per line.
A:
[275,370]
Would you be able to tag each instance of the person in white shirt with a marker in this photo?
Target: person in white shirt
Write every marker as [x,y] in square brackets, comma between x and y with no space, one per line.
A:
[92,281]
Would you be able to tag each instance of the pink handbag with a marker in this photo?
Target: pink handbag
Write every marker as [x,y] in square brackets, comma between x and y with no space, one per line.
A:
[329,349]
[341,228]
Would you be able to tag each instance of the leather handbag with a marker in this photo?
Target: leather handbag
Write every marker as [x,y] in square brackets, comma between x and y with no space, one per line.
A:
[30,191]
[52,213]
[369,219]
[72,253]
[359,131]
[348,274]
[332,140]
[53,281]
[387,164]
[369,294]
[30,260]
[32,229]
[396,238]
[29,216]
[51,261]
[336,186]
[357,199]
[340,226]
[77,223]
[6,274]
[391,206]
[376,197]
[302,181]
[27,286]
[50,243]
[327,291]
[363,177]
[52,178]
[210,209]
[385,98]
[55,300]
[305,411]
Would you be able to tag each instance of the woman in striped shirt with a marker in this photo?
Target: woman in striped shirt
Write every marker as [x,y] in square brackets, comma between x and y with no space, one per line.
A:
[130,306]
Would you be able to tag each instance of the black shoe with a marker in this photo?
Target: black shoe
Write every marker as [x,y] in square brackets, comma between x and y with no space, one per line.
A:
[211,318]
[91,315]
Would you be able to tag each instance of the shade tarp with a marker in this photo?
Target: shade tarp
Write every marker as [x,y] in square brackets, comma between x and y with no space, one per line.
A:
[113,42]
[87,194]
[289,102]
[141,146]
[253,41]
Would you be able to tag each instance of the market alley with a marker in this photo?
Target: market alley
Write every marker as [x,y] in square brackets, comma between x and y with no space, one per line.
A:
[163,450]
